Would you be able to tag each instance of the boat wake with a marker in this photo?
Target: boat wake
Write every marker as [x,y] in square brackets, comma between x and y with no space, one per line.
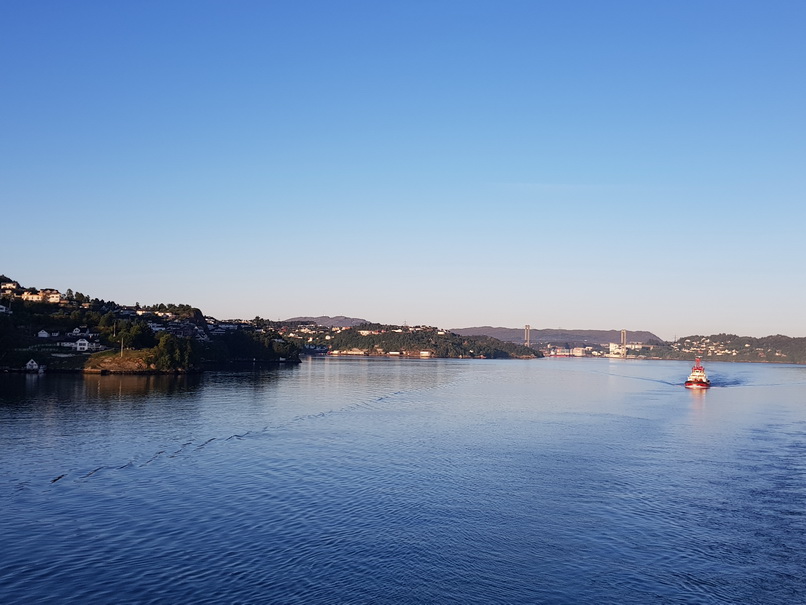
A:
[729,382]
[190,448]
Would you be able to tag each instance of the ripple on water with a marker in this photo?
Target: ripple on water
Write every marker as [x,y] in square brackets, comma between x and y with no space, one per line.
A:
[359,483]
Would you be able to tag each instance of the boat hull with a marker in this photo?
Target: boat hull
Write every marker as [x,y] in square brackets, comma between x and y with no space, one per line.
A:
[691,384]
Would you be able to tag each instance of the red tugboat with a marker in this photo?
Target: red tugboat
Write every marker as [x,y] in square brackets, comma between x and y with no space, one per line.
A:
[697,379]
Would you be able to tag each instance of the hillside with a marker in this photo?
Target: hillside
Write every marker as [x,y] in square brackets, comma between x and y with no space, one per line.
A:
[730,347]
[403,341]
[72,332]
[338,321]
[559,336]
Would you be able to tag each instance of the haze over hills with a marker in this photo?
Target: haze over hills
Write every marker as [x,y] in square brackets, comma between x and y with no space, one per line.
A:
[339,321]
[548,335]
[560,336]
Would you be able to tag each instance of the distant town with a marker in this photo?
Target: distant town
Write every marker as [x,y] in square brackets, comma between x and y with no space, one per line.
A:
[45,327]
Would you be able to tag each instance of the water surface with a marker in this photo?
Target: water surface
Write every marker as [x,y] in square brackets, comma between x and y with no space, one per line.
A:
[406,481]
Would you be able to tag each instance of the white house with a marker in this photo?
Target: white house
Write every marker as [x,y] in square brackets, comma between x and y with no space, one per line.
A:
[82,345]
[9,288]
[43,334]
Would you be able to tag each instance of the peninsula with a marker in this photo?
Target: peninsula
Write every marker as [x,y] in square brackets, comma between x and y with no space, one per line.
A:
[44,328]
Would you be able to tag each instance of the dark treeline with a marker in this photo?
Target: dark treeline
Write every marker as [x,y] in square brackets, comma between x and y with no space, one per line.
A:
[170,337]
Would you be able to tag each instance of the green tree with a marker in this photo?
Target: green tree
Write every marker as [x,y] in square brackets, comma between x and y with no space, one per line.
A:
[133,335]
[174,354]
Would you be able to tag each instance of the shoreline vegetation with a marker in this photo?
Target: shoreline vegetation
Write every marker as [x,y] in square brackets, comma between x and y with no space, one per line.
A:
[45,330]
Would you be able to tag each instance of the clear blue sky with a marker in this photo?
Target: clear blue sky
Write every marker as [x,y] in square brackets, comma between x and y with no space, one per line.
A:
[589,164]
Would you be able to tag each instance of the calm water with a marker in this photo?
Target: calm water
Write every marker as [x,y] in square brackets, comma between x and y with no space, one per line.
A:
[392,481]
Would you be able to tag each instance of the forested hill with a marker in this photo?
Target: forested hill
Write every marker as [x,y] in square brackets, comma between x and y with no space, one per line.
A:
[730,347]
[555,336]
[73,332]
[405,341]
[338,321]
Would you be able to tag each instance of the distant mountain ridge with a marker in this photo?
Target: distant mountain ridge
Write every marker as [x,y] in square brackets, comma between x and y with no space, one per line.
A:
[548,335]
[339,321]
[559,336]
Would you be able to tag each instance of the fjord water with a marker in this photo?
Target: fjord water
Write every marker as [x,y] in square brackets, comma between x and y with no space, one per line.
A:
[394,481]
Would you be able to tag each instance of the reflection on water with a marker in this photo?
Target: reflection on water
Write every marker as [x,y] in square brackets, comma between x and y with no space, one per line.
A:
[18,388]
[395,481]
[125,387]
